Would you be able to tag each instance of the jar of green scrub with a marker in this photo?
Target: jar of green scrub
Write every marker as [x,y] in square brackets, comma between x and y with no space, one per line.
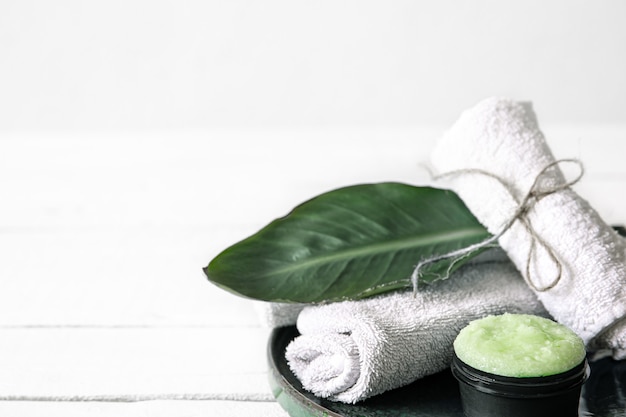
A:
[519,365]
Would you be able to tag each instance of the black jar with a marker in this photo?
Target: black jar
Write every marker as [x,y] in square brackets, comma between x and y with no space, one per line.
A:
[488,395]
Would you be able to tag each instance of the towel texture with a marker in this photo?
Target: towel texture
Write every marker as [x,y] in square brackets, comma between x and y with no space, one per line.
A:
[502,137]
[349,351]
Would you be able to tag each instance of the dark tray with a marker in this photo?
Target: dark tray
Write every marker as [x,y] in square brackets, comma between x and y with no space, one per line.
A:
[603,395]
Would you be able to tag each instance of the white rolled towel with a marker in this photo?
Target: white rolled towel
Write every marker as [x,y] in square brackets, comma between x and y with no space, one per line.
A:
[502,137]
[349,351]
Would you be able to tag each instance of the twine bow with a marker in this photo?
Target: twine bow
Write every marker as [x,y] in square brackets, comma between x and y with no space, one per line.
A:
[534,195]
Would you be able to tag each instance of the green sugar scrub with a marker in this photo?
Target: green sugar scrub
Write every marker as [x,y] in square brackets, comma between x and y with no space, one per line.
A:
[519,345]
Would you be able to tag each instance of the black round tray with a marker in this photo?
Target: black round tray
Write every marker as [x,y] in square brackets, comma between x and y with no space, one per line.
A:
[603,395]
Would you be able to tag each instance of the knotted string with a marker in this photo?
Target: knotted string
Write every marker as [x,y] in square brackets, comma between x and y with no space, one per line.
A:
[534,194]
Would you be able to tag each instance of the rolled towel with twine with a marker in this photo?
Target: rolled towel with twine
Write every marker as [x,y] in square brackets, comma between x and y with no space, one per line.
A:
[352,350]
[497,160]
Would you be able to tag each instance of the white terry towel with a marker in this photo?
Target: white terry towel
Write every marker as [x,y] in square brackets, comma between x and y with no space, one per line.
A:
[349,351]
[502,137]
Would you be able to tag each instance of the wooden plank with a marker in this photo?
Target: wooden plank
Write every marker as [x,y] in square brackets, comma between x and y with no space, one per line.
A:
[188,178]
[228,179]
[128,364]
[141,409]
[133,277]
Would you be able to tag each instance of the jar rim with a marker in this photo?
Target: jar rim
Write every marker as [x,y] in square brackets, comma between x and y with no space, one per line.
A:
[523,387]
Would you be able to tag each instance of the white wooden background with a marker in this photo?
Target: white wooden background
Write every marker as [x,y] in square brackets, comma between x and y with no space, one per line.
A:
[104,308]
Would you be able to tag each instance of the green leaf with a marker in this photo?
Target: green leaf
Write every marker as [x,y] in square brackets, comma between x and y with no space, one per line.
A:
[349,243]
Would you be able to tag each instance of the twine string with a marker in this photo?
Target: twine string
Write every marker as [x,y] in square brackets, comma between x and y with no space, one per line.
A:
[534,195]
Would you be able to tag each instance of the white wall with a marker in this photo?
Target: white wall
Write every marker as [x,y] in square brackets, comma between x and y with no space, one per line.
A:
[154,64]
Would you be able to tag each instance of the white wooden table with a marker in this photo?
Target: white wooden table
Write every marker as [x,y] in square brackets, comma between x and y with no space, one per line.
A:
[104,308]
